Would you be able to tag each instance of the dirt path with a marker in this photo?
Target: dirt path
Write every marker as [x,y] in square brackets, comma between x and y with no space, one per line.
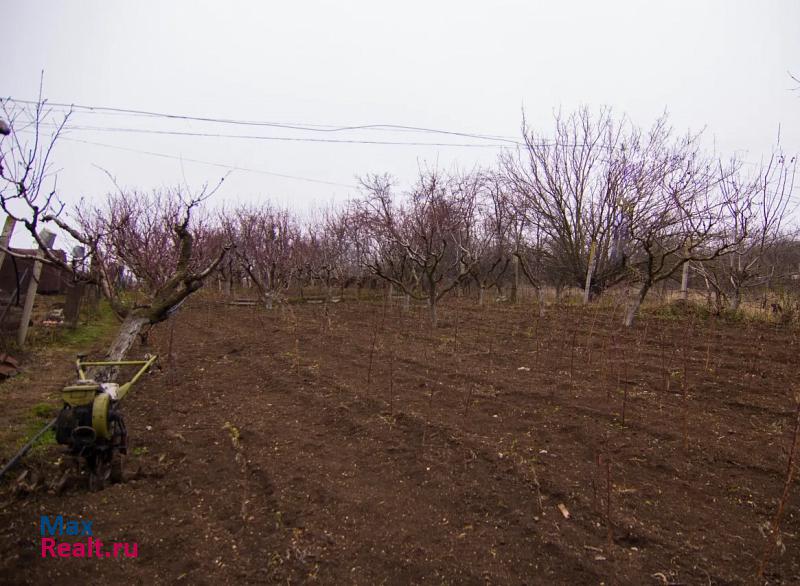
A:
[253,464]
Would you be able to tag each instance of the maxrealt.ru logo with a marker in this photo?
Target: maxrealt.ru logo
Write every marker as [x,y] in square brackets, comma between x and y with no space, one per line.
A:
[88,548]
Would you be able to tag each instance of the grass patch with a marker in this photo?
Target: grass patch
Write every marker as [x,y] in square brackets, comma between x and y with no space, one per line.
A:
[43,411]
[101,326]
[678,310]
[39,415]
[45,440]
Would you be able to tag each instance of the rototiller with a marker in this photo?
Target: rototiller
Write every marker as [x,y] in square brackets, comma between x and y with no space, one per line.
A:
[91,424]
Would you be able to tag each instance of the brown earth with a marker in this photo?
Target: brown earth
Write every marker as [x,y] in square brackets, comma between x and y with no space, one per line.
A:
[262,454]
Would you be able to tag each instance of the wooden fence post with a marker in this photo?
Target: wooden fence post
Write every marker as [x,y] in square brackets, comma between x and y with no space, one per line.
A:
[75,289]
[5,237]
[49,239]
[72,304]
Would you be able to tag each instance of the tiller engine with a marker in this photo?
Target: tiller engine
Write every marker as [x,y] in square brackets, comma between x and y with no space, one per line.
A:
[91,424]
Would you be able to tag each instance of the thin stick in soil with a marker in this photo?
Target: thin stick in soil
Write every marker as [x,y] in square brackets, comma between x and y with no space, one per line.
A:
[469,400]
[372,347]
[455,333]
[664,367]
[685,386]
[572,358]
[595,504]
[708,349]
[391,381]
[609,526]
[622,376]
[685,392]
[589,337]
[775,526]
[615,346]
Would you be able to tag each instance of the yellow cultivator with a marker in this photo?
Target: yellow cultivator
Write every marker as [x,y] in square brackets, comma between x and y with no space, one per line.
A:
[90,423]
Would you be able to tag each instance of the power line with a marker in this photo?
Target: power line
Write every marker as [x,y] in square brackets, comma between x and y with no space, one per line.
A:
[210,163]
[345,141]
[288,126]
[277,138]
[319,140]
[222,165]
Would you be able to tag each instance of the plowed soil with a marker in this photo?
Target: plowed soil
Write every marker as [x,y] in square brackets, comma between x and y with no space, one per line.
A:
[352,443]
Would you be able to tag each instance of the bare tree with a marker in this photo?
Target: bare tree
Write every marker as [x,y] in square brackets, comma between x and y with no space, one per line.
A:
[159,239]
[494,237]
[266,240]
[122,235]
[673,210]
[425,246]
[570,188]
[531,255]
[377,218]
[327,249]
[28,186]
[754,213]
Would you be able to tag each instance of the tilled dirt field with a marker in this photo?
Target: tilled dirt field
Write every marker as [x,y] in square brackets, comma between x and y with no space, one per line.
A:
[354,444]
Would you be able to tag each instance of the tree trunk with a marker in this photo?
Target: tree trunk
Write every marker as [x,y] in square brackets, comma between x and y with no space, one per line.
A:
[33,286]
[708,291]
[719,302]
[635,304]
[515,281]
[587,290]
[736,299]
[128,332]
[685,282]
[481,290]
[432,309]
[540,300]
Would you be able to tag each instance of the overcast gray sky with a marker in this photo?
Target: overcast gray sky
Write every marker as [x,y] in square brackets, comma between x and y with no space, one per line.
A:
[462,66]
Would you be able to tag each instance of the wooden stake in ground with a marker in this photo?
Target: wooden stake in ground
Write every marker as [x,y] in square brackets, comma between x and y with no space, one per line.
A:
[609,526]
[170,354]
[455,334]
[72,303]
[775,526]
[589,338]
[622,376]
[572,358]
[685,386]
[33,285]
[5,237]
[391,379]
[372,345]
